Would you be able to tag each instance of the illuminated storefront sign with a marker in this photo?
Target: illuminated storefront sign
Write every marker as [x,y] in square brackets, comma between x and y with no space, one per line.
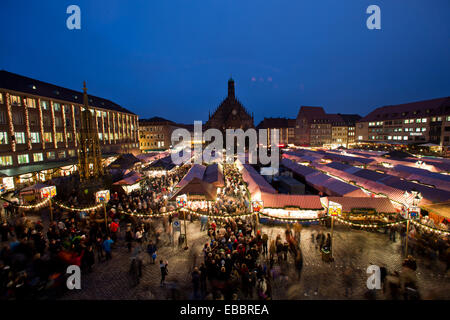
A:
[334,209]
[102,196]
[48,192]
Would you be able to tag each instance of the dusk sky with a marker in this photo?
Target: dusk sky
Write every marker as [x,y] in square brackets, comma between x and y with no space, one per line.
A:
[172,58]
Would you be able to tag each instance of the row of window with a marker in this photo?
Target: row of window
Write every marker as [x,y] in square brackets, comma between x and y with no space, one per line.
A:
[37,157]
[418,120]
[152,144]
[45,105]
[35,137]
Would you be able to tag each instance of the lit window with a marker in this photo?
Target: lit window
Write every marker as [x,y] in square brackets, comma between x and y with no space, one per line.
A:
[44,104]
[1,98]
[3,138]
[61,154]
[30,103]
[424,129]
[15,100]
[6,161]
[37,157]
[51,155]
[100,136]
[35,137]
[71,153]
[405,137]
[59,137]
[56,106]
[20,137]
[48,137]
[23,159]
[58,121]
[424,120]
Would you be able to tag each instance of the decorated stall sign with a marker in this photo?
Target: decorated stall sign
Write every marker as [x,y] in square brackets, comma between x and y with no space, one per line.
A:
[48,192]
[334,209]
[102,196]
[414,212]
[182,201]
[257,206]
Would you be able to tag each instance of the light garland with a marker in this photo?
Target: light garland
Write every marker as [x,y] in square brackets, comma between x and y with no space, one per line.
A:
[96,207]
[434,230]
[293,219]
[376,225]
[31,206]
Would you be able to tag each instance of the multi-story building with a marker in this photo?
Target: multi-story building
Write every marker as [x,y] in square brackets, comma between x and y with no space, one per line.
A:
[285,127]
[40,123]
[343,130]
[155,134]
[412,123]
[316,128]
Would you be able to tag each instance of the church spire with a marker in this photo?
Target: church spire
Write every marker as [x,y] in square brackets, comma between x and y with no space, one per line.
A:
[231,88]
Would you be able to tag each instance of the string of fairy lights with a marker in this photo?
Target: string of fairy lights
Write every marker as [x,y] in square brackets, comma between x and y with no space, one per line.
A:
[73,209]
[234,216]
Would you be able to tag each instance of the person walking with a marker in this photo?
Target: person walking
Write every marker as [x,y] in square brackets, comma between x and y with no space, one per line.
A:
[299,263]
[129,238]
[99,248]
[203,277]
[265,239]
[164,271]
[107,247]
[151,250]
[196,281]
[89,258]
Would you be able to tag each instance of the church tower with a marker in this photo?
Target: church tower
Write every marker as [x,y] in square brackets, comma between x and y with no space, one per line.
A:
[231,88]
[230,114]
[89,154]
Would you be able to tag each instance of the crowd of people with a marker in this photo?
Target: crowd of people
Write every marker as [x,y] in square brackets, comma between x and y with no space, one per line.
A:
[238,260]
[33,259]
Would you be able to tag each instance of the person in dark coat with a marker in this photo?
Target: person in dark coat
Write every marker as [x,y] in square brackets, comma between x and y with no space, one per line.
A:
[89,258]
[196,281]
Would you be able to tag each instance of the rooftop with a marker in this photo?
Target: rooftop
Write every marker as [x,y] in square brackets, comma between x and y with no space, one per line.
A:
[416,109]
[15,82]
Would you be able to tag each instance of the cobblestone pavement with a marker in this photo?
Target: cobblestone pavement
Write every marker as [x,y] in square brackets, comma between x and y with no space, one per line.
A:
[319,280]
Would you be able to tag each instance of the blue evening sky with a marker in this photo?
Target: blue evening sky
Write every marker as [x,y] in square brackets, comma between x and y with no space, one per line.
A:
[172,58]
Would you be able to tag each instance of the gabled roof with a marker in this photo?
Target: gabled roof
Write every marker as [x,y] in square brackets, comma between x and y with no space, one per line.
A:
[197,187]
[276,123]
[311,112]
[15,82]
[124,162]
[381,204]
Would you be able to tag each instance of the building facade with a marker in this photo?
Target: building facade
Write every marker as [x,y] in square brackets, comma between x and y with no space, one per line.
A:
[316,128]
[285,127]
[416,123]
[40,123]
[155,134]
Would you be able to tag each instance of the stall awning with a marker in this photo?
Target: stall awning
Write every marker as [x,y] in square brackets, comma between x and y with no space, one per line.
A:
[305,202]
[12,172]
[381,205]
